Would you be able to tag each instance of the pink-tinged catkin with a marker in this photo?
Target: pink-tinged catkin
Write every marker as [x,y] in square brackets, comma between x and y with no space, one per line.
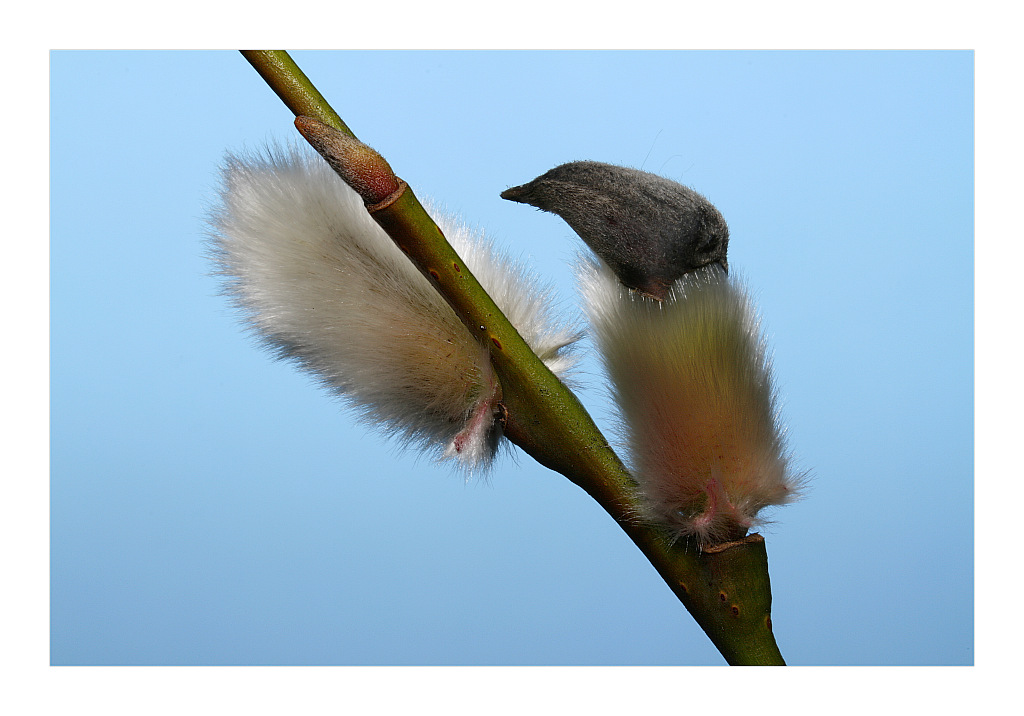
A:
[321,284]
[692,381]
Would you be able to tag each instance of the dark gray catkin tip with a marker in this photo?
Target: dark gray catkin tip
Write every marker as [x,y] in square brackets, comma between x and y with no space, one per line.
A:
[648,229]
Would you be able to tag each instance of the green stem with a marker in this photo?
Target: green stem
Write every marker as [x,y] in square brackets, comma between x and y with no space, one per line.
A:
[543,416]
[726,589]
[280,72]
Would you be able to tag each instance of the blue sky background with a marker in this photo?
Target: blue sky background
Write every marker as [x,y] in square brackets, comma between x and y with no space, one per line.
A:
[211,506]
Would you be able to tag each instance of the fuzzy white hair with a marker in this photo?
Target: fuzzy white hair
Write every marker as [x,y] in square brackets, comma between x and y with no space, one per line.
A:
[692,381]
[320,283]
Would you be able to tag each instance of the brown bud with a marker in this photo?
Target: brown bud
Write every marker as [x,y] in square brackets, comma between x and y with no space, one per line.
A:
[358,164]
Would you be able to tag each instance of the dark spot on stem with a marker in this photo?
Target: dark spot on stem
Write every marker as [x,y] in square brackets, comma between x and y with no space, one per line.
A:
[434,274]
[456,267]
[722,596]
[735,610]
[496,342]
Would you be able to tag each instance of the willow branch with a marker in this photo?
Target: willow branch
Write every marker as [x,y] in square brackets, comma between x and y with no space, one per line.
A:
[726,589]
[282,75]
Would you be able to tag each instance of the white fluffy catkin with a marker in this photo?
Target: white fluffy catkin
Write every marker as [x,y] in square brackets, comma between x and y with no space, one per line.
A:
[692,379]
[322,284]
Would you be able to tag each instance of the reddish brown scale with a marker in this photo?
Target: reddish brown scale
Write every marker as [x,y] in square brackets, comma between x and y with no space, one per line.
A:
[359,165]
